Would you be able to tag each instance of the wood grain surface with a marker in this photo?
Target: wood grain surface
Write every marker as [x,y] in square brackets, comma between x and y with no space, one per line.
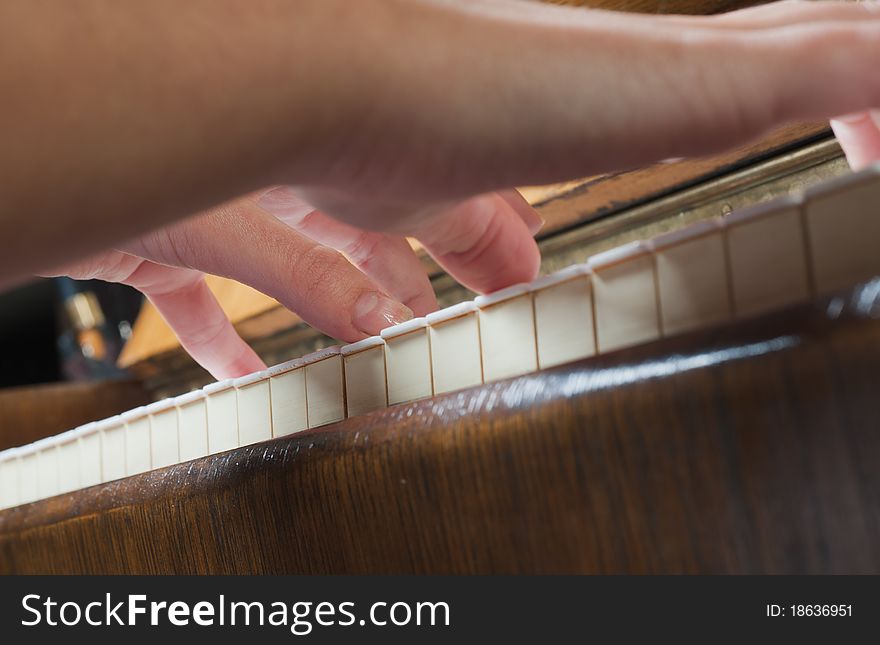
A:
[751,448]
[33,412]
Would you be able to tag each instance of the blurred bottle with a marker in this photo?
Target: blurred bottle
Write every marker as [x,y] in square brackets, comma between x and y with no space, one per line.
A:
[88,345]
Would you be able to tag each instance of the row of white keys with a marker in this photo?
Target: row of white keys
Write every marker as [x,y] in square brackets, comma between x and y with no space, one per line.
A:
[744,264]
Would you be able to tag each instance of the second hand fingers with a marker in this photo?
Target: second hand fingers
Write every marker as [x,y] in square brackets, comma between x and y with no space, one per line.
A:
[243,242]
[387,259]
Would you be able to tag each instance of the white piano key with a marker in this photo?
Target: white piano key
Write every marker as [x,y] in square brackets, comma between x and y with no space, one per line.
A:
[68,462]
[28,475]
[112,448]
[9,479]
[507,333]
[365,386]
[768,262]
[164,450]
[47,468]
[222,406]
[843,224]
[456,357]
[625,297]
[287,392]
[692,280]
[137,441]
[325,386]
[564,316]
[408,361]
[254,409]
[192,425]
[89,438]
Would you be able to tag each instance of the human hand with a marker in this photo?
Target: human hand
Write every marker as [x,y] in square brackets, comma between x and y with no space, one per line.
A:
[441,101]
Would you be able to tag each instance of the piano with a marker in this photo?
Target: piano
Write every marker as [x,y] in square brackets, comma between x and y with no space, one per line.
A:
[689,388]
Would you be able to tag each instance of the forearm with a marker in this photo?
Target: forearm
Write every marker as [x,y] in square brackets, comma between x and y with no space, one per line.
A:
[119,116]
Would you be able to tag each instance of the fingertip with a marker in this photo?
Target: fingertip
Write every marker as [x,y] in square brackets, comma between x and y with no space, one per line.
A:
[859,136]
[486,245]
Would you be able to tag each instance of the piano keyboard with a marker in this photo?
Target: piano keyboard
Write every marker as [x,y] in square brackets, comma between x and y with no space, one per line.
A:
[716,271]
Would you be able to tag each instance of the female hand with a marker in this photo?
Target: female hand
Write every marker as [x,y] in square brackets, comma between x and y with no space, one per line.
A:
[376,124]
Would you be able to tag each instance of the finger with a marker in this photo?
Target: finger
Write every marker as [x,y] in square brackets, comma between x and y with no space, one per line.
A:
[484,243]
[387,259]
[189,307]
[859,136]
[242,242]
[185,302]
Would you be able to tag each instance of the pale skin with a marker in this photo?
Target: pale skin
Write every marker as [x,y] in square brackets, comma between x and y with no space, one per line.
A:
[299,131]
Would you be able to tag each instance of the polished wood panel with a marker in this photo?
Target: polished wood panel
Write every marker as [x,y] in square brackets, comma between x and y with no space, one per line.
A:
[747,449]
[33,412]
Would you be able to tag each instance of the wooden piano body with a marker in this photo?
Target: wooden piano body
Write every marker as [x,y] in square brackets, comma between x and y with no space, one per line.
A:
[747,447]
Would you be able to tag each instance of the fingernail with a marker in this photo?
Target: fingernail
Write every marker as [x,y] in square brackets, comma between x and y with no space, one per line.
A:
[533,221]
[852,118]
[374,311]
[875,117]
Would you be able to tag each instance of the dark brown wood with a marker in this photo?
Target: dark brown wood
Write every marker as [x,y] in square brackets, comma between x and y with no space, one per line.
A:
[747,449]
[33,412]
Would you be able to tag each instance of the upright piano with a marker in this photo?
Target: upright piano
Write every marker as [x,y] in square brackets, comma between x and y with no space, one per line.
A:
[690,389]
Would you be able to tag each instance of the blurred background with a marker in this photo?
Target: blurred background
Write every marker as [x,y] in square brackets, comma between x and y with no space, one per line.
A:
[60,329]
